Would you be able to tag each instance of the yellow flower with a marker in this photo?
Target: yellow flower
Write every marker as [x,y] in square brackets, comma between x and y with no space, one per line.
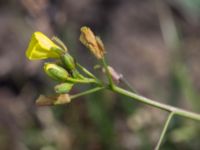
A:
[92,42]
[41,47]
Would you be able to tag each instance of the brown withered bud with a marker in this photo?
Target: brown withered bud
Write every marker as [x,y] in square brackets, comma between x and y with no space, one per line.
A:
[54,100]
[92,42]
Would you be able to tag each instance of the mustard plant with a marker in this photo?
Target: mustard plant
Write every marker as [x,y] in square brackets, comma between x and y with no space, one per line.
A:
[66,72]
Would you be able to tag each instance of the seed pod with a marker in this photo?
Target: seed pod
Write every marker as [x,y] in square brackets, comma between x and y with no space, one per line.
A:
[56,72]
[63,88]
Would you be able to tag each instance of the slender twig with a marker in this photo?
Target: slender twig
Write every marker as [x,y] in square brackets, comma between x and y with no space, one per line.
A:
[87,72]
[85,80]
[105,65]
[159,105]
[86,92]
[169,118]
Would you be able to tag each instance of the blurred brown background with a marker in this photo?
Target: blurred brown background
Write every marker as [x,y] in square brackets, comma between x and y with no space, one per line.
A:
[154,44]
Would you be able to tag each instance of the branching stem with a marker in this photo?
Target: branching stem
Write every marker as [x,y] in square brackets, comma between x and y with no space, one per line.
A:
[85,80]
[87,92]
[86,71]
[176,111]
[107,73]
[169,118]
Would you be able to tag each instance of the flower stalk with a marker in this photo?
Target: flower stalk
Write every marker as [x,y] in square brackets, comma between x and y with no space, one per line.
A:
[168,108]
[169,118]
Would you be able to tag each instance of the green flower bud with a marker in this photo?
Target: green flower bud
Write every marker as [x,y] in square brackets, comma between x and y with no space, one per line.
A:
[68,61]
[56,72]
[63,88]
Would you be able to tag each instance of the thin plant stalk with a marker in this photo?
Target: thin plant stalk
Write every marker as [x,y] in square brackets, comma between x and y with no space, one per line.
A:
[87,92]
[169,118]
[85,80]
[86,71]
[107,72]
[176,111]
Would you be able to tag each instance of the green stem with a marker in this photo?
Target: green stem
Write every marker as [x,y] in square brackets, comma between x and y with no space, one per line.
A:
[107,73]
[86,92]
[87,72]
[169,118]
[85,80]
[153,103]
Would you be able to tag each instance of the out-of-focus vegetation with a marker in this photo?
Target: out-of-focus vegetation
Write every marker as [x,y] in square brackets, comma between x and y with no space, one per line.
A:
[154,44]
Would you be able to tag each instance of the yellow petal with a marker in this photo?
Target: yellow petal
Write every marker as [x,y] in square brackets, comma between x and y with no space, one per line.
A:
[41,47]
[44,41]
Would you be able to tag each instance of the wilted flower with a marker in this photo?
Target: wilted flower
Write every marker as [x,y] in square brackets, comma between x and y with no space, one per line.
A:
[92,42]
[56,72]
[114,74]
[41,47]
[54,100]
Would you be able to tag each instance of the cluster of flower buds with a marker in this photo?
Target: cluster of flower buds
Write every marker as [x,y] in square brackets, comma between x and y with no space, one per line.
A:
[64,70]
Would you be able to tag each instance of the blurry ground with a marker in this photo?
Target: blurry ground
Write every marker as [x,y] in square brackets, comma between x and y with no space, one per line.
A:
[141,43]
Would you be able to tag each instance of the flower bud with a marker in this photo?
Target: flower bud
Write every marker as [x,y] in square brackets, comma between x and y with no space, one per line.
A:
[41,47]
[56,72]
[68,61]
[63,88]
